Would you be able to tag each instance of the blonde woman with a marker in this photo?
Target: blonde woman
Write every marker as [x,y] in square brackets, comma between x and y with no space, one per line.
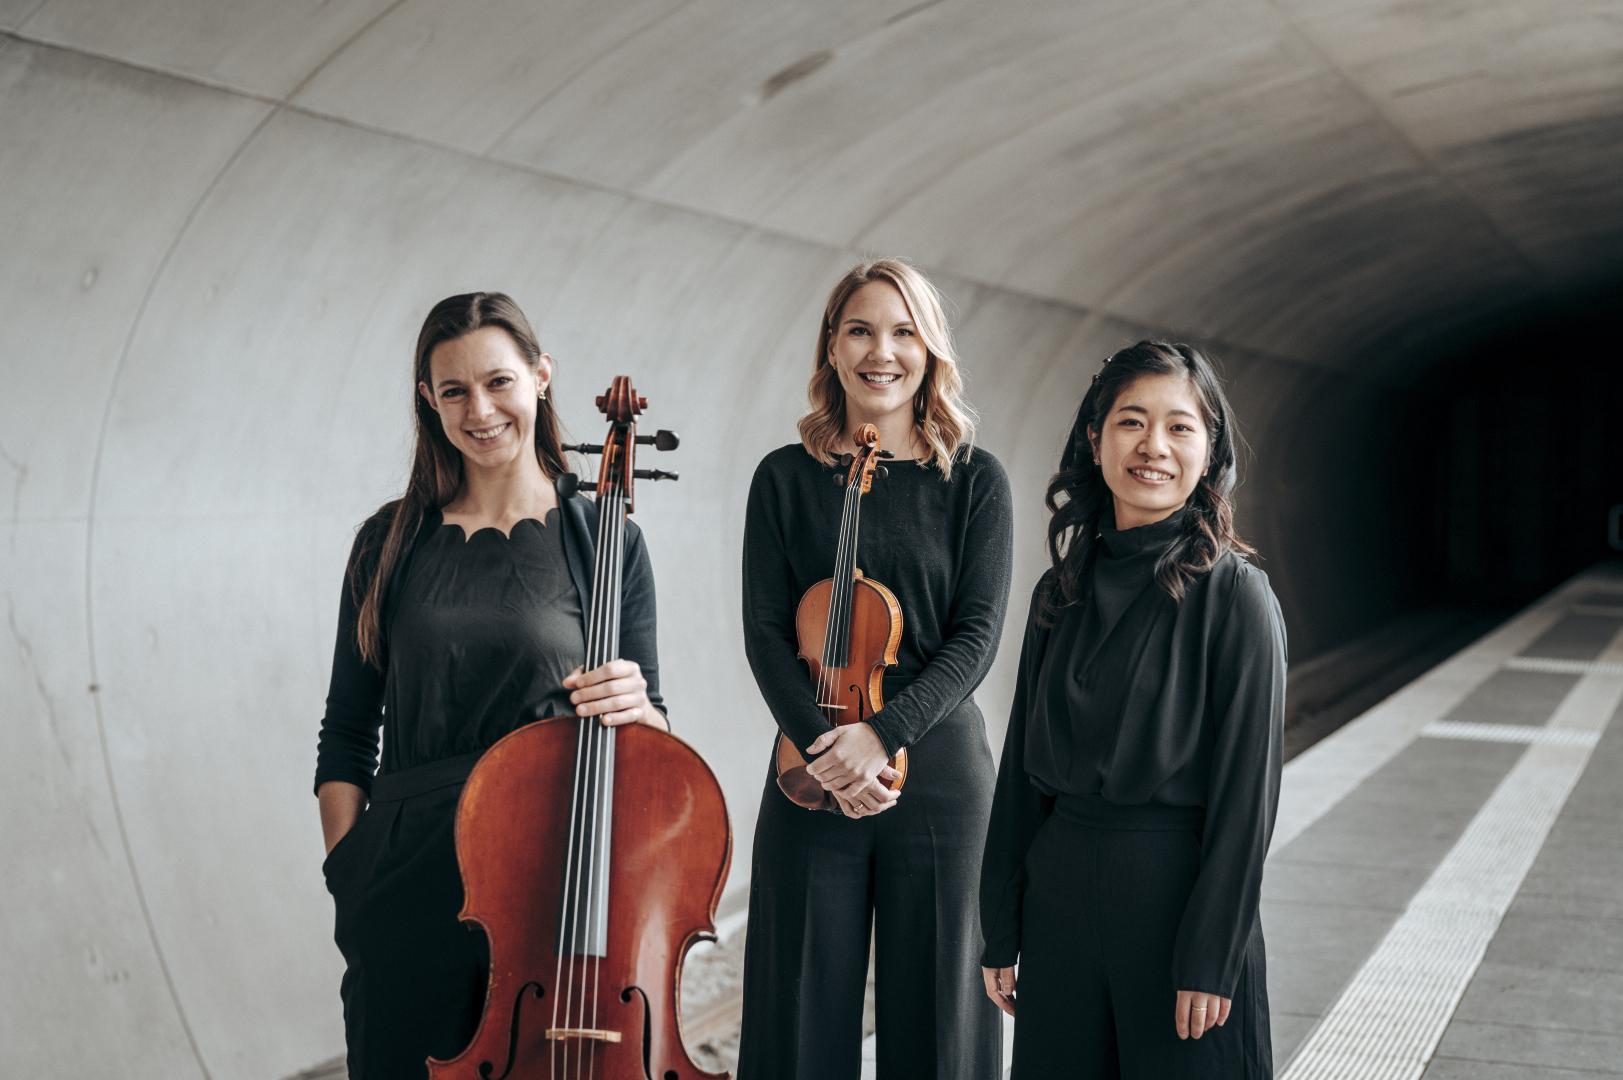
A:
[901,867]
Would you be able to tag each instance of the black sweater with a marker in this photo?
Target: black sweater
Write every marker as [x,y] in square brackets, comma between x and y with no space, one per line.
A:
[1134,699]
[502,662]
[943,547]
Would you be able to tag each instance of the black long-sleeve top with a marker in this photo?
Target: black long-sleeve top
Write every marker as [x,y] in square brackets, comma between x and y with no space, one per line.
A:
[942,546]
[478,632]
[1135,699]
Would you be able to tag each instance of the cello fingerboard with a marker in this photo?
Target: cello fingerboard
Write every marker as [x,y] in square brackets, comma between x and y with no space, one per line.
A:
[583,924]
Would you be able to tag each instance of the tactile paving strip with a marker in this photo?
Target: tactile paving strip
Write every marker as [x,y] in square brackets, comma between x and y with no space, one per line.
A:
[1609,611]
[1564,667]
[1508,733]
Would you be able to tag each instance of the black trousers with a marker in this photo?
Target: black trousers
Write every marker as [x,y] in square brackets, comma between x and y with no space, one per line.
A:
[819,882]
[415,980]
[1095,995]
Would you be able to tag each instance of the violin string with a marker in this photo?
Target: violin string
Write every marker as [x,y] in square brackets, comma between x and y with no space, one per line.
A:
[825,677]
[842,637]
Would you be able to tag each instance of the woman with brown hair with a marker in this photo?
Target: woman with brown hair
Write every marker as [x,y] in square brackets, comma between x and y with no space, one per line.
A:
[462,615]
[1141,766]
[903,866]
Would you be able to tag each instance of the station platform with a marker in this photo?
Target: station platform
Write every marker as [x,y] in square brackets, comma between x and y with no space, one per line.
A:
[1444,895]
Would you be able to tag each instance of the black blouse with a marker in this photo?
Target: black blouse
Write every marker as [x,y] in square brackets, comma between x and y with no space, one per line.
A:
[943,547]
[1136,699]
[480,631]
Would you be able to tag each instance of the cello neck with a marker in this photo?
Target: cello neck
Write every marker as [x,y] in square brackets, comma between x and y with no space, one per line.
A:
[603,621]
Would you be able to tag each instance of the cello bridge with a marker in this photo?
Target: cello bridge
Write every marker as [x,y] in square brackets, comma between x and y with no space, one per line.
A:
[595,1034]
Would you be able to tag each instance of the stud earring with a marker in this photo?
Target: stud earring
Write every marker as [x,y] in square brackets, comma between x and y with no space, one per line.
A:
[542,394]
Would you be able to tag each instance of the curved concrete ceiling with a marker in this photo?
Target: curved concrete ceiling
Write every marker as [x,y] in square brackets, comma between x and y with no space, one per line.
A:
[221,224]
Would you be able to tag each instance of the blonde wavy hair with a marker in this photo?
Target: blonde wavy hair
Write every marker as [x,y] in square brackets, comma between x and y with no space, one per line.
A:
[942,417]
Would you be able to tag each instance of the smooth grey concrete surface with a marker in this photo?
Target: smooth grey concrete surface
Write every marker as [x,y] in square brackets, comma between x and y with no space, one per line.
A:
[1576,637]
[220,224]
[1510,697]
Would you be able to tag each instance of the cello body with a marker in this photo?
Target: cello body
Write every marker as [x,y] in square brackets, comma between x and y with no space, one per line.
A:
[664,876]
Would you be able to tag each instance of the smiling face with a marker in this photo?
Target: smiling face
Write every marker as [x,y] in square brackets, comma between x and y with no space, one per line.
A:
[1152,448]
[486,396]
[878,353]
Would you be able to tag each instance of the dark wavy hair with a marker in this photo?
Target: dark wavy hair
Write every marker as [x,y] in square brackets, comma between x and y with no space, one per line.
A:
[1077,494]
[436,465]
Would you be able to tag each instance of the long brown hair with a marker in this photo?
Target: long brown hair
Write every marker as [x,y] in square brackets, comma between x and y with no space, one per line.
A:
[1078,494]
[436,465]
[944,419]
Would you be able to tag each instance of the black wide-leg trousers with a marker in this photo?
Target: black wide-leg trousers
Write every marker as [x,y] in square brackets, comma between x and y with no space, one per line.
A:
[414,983]
[1095,995]
[820,882]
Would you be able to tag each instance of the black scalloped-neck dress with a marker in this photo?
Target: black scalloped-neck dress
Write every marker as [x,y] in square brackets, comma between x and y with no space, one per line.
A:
[480,631]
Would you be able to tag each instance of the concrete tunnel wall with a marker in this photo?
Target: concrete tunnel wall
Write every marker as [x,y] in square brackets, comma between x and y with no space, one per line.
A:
[221,229]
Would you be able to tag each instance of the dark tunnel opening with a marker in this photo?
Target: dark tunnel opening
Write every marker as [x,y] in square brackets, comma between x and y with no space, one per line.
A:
[1492,477]
[1527,418]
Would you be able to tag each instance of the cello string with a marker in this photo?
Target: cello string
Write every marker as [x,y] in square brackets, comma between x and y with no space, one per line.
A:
[580,899]
[576,810]
[610,649]
[576,886]
[591,730]
[603,739]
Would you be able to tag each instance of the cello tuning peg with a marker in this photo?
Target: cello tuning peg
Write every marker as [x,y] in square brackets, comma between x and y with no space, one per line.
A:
[844,460]
[881,472]
[887,454]
[654,474]
[660,440]
[585,448]
[567,484]
[839,479]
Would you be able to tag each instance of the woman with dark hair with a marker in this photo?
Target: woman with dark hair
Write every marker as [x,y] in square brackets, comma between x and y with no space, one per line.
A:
[1141,766]
[897,868]
[462,614]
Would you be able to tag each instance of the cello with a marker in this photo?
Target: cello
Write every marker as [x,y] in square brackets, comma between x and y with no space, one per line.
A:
[592,857]
[848,628]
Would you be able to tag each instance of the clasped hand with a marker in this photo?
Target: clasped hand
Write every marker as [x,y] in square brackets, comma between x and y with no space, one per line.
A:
[854,768]
[615,693]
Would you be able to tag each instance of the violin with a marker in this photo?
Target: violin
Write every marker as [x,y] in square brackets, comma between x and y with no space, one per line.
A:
[592,857]
[849,627]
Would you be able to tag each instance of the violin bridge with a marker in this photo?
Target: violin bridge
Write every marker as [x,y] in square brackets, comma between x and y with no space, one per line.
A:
[595,1034]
